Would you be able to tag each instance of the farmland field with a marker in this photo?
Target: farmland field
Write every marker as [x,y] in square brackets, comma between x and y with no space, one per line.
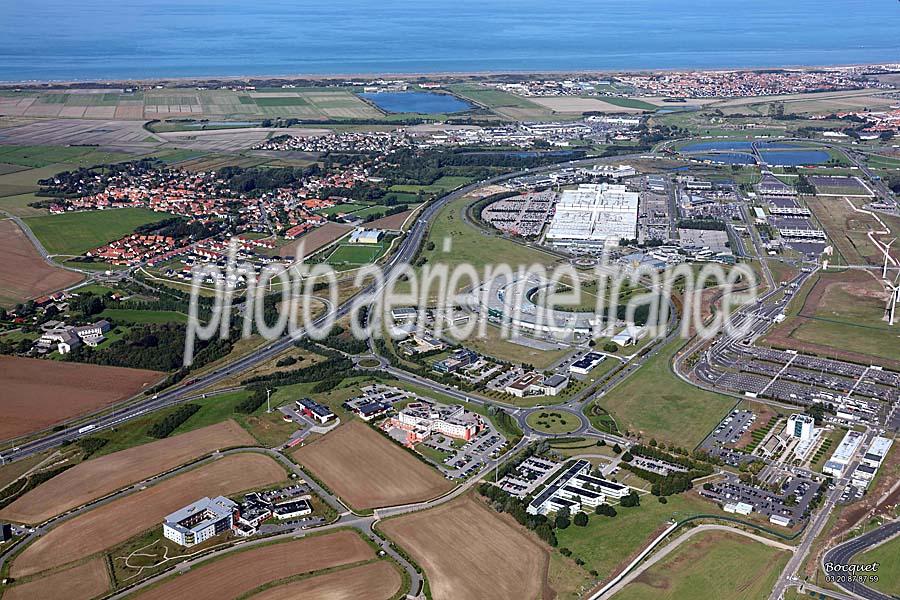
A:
[318,238]
[77,232]
[239,573]
[466,548]
[113,523]
[23,273]
[372,581]
[39,393]
[101,476]
[710,566]
[368,470]
[82,582]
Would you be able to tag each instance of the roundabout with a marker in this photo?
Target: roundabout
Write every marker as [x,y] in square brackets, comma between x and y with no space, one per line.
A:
[553,421]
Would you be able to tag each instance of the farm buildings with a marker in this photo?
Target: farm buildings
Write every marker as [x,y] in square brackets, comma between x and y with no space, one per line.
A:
[594,215]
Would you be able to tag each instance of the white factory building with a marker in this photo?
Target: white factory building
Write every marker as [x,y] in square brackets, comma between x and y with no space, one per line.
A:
[200,521]
[594,215]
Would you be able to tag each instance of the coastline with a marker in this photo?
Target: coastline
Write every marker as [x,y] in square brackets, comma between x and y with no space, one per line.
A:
[525,73]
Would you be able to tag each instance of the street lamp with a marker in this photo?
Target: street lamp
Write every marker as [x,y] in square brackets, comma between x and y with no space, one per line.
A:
[268,405]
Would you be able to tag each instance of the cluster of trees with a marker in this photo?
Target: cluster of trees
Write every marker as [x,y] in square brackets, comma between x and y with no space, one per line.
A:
[256,180]
[86,181]
[342,340]
[91,445]
[180,228]
[631,500]
[325,370]
[704,224]
[165,426]
[156,346]
[804,186]
[605,510]
[503,502]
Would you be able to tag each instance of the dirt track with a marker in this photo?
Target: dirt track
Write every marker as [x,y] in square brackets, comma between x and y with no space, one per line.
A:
[111,524]
[38,393]
[23,273]
[96,478]
[242,572]
[466,548]
[367,470]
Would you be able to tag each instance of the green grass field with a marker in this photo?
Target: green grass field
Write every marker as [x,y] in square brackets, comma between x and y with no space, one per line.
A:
[658,404]
[143,316]
[550,421]
[711,566]
[355,254]
[440,186]
[627,102]
[77,232]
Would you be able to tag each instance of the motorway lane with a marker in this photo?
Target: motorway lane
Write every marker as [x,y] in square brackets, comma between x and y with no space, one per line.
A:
[844,553]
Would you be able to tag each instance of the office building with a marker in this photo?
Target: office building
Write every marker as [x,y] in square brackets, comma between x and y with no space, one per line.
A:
[200,521]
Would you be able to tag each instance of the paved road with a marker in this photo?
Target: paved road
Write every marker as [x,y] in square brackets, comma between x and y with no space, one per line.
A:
[845,552]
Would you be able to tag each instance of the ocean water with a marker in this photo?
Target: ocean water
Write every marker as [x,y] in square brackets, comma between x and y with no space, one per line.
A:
[98,39]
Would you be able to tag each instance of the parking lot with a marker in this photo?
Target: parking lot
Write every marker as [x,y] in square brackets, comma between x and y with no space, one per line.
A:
[792,502]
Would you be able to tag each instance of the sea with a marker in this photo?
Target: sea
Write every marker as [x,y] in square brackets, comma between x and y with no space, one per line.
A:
[99,39]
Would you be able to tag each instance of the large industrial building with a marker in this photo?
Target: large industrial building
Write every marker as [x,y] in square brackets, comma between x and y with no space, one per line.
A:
[575,488]
[594,215]
[843,454]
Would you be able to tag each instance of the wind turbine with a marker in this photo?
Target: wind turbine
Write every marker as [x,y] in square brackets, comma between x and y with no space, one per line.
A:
[893,298]
[886,249]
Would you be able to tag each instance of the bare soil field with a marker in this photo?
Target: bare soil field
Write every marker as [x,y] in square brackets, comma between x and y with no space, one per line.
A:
[393,222]
[241,572]
[367,470]
[466,548]
[373,581]
[96,478]
[23,273]
[83,582]
[318,238]
[39,393]
[847,228]
[115,522]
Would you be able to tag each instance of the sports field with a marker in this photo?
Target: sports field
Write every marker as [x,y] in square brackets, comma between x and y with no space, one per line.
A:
[75,233]
[238,574]
[355,254]
[372,581]
[101,476]
[82,582]
[24,274]
[711,566]
[658,404]
[39,393]
[367,470]
[467,548]
[111,524]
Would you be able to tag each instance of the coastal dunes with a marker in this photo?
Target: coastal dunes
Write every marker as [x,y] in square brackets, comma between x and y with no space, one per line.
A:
[24,274]
[96,478]
[239,573]
[367,470]
[39,393]
[113,523]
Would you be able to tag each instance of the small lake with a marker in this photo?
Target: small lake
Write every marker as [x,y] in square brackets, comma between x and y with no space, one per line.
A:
[737,145]
[792,158]
[727,158]
[425,103]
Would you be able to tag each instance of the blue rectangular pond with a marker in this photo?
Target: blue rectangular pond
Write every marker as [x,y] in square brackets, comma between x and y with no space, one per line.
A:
[426,103]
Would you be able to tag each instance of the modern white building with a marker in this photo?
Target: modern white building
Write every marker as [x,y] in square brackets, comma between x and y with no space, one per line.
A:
[877,452]
[421,419]
[575,488]
[594,215]
[843,454]
[800,426]
[200,521]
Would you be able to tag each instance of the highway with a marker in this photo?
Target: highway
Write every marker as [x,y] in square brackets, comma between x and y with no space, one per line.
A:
[844,553]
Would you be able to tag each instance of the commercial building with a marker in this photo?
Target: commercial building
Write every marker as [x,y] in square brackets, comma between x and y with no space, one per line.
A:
[366,236]
[574,489]
[292,508]
[459,359]
[594,215]
[843,454]
[421,419]
[554,384]
[528,384]
[315,410]
[800,426]
[586,363]
[740,508]
[877,452]
[200,521]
